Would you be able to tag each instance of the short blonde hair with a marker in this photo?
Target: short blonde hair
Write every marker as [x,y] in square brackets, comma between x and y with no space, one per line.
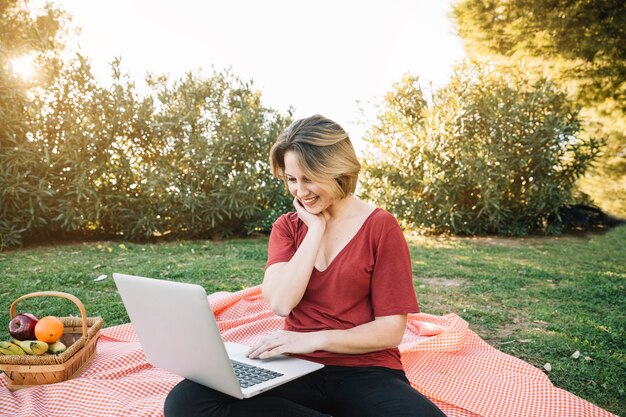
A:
[324,152]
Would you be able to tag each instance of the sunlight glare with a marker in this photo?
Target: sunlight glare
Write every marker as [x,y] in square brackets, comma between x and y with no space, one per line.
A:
[24,66]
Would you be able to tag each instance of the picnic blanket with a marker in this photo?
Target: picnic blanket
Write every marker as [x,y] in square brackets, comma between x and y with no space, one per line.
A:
[442,357]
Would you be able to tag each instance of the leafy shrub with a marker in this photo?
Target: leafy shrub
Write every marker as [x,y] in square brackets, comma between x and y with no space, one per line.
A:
[188,159]
[18,165]
[494,153]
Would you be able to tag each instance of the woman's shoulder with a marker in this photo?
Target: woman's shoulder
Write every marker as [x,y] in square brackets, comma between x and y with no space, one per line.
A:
[381,216]
[288,220]
[380,222]
[289,217]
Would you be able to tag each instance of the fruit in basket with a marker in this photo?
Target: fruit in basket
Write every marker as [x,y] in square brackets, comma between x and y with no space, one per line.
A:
[32,347]
[8,348]
[57,347]
[22,326]
[49,329]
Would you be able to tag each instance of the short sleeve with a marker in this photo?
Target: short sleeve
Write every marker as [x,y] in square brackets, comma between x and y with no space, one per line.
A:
[392,277]
[282,242]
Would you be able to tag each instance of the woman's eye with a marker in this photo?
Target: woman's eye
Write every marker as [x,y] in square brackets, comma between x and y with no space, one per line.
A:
[291,179]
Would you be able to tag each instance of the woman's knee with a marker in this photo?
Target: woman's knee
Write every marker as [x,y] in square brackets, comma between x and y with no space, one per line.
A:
[190,399]
[176,401]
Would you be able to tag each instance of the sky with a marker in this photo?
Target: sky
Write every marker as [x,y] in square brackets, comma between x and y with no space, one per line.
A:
[321,57]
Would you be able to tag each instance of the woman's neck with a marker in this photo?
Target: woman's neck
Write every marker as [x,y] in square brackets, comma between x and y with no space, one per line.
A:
[345,207]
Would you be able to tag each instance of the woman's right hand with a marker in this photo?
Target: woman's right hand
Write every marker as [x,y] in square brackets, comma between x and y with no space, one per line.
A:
[311,220]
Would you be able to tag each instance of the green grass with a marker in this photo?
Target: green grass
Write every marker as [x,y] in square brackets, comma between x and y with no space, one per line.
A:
[540,299]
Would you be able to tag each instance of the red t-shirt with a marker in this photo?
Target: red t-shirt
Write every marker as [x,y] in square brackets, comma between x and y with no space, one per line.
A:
[370,277]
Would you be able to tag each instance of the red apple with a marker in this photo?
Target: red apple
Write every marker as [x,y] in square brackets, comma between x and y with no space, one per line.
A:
[22,326]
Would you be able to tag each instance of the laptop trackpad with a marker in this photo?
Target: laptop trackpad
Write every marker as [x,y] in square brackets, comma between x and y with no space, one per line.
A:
[236,349]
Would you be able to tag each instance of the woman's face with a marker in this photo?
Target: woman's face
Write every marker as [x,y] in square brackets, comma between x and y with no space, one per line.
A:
[314,197]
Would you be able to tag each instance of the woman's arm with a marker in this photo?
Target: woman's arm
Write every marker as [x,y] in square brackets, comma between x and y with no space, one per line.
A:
[381,333]
[284,283]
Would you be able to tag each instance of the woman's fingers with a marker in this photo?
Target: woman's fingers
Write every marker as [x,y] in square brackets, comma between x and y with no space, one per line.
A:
[285,342]
[311,220]
[278,343]
[266,344]
[271,353]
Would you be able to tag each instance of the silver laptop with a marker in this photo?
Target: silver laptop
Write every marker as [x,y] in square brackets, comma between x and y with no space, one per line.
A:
[177,330]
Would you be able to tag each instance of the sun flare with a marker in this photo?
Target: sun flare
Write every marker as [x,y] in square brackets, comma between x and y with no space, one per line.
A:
[24,66]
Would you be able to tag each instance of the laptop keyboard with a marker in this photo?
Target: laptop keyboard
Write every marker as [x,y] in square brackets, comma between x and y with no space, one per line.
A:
[249,375]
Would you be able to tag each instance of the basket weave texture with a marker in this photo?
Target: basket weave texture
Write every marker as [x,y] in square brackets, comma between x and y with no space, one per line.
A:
[80,336]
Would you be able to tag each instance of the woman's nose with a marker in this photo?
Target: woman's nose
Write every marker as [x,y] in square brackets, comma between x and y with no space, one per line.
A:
[301,190]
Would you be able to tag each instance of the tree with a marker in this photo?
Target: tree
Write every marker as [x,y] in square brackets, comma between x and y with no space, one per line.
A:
[494,153]
[580,46]
[585,39]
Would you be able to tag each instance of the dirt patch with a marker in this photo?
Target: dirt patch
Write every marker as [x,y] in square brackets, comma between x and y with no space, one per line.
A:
[442,282]
[519,324]
[507,330]
[532,240]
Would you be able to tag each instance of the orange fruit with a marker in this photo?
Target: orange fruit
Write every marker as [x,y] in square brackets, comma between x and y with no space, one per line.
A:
[49,329]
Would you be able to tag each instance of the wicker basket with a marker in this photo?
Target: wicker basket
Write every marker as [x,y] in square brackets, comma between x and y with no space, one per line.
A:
[80,336]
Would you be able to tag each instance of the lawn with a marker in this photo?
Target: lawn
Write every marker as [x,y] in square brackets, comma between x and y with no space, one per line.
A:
[540,299]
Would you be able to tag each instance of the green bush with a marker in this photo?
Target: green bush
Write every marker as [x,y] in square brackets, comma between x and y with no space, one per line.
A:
[19,163]
[187,159]
[493,154]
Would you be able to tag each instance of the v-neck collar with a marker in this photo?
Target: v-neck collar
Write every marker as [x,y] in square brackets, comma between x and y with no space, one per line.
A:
[352,239]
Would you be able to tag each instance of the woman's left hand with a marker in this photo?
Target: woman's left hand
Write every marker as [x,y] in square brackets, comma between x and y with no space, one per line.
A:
[285,342]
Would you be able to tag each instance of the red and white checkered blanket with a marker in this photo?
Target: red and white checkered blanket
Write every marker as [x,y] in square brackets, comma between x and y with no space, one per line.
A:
[443,359]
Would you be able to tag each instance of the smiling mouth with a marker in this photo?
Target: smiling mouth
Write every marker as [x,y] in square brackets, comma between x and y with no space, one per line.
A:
[308,201]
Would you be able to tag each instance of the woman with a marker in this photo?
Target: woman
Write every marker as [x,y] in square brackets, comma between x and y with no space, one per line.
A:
[339,270]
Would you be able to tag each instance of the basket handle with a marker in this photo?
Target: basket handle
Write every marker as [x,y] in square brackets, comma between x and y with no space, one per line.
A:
[75,300]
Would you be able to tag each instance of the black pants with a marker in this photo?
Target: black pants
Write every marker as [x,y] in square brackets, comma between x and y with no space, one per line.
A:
[333,390]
